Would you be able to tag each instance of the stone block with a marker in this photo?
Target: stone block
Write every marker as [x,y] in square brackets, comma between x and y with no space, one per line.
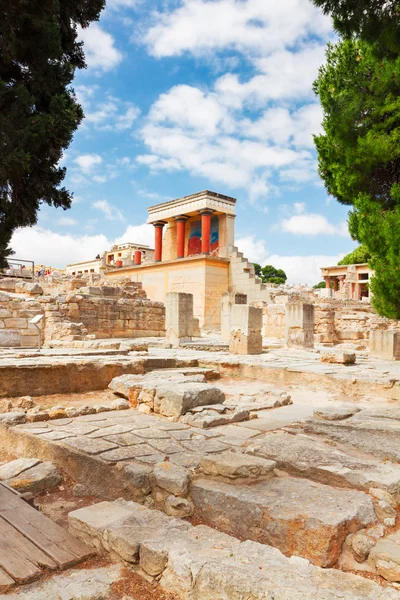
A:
[299,325]
[179,317]
[176,399]
[172,478]
[385,344]
[245,334]
[226,306]
[16,323]
[295,515]
[232,465]
[338,357]
[10,338]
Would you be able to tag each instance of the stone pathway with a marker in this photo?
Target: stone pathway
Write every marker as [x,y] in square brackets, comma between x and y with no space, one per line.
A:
[196,561]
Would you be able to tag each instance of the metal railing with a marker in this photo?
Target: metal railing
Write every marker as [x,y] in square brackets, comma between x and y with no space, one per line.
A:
[19,268]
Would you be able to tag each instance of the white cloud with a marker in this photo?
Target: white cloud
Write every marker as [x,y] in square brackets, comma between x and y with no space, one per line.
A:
[100,51]
[53,249]
[312,224]
[141,234]
[66,221]
[299,269]
[252,27]
[87,162]
[111,212]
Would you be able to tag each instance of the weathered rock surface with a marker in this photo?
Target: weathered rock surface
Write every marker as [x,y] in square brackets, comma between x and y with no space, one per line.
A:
[80,584]
[197,561]
[172,478]
[176,399]
[295,515]
[16,467]
[312,458]
[336,413]
[232,465]
[38,478]
[208,418]
[338,357]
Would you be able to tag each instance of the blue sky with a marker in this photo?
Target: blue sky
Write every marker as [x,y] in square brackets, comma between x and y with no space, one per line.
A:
[185,95]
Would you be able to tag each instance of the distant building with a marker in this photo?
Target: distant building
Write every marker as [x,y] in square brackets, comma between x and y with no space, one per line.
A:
[350,282]
[120,255]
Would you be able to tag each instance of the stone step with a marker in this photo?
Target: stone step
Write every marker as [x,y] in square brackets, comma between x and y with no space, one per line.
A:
[296,516]
[320,461]
[194,562]
[377,436]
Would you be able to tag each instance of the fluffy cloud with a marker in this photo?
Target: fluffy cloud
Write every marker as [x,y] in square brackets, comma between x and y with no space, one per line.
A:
[111,212]
[58,250]
[54,249]
[100,51]
[299,269]
[312,224]
[87,162]
[107,114]
[191,129]
[252,27]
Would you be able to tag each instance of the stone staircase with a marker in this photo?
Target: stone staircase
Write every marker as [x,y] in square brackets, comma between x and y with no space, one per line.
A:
[243,280]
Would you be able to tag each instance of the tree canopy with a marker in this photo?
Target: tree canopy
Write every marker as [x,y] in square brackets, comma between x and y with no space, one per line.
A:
[374,21]
[39,113]
[359,155]
[359,256]
[270,274]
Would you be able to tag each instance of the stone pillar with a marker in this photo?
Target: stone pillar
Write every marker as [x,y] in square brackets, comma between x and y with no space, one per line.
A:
[228,300]
[206,230]
[246,325]
[158,227]
[385,344]
[335,284]
[328,282]
[180,236]
[137,258]
[179,321]
[299,325]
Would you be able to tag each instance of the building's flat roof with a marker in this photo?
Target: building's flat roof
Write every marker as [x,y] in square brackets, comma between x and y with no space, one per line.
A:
[193,197]
[85,262]
[346,266]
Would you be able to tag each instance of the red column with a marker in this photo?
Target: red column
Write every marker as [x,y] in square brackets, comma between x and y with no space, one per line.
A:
[138,257]
[335,284]
[205,231]
[180,236]
[328,282]
[158,227]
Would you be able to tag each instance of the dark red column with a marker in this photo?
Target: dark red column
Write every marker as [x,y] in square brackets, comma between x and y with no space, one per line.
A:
[180,236]
[138,258]
[158,227]
[206,231]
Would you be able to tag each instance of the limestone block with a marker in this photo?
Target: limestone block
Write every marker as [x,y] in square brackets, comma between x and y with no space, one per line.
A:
[178,507]
[7,284]
[338,357]
[175,399]
[295,515]
[246,325]
[12,323]
[33,289]
[234,465]
[226,306]
[172,478]
[299,325]
[39,478]
[179,317]
[385,344]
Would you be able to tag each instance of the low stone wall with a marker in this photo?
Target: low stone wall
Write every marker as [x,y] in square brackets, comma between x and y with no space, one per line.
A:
[86,313]
[104,312]
[336,321]
[15,314]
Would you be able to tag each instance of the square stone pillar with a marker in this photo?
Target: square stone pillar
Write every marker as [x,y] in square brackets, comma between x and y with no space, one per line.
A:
[385,344]
[228,300]
[246,325]
[299,325]
[179,321]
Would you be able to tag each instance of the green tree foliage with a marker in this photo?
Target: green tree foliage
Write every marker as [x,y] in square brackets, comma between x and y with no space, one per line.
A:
[320,286]
[374,21]
[359,155]
[39,113]
[359,256]
[270,274]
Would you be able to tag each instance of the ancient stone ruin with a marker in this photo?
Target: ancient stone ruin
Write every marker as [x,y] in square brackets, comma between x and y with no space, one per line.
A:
[186,432]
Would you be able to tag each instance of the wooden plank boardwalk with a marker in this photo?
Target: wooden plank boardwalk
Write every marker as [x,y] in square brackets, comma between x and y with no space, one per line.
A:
[31,543]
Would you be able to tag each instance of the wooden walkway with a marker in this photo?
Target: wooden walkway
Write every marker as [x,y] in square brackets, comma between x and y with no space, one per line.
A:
[31,543]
